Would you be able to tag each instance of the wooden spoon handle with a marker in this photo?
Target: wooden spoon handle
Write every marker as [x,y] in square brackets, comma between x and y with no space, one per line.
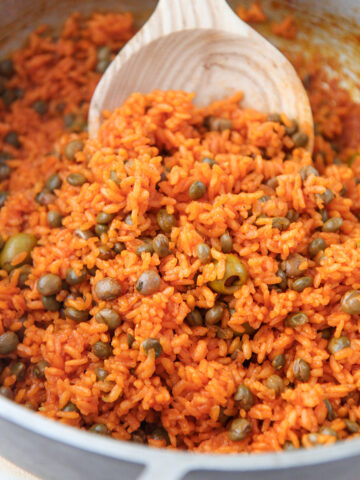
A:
[174,15]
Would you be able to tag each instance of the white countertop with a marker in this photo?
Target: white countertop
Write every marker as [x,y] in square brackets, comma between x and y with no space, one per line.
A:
[9,471]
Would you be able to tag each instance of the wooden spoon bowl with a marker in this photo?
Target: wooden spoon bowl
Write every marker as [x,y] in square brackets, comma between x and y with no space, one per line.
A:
[201,46]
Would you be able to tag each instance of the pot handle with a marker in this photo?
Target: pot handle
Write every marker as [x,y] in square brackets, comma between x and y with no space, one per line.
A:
[164,471]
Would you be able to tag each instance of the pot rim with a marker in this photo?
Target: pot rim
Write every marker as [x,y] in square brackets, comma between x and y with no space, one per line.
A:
[186,461]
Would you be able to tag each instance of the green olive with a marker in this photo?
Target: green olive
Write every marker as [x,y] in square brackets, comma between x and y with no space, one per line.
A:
[317,245]
[352,427]
[330,411]
[45,197]
[292,215]
[166,221]
[293,128]
[76,179]
[50,303]
[300,139]
[326,333]
[102,350]
[5,172]
[244,397]
[305,172]
[279,361]
[281,223]
[301,283]
[9,96]
[109,317]
[274,382]
[70,407]
[194,318]
[161,434]
[8,343]
[226,242]
[100,429]
[326,197]
[328,431]
[49,284]
[54,219]
[146,246]
[106,252]
[289,446]
[115,177]
[197,190]
[108,289]
[139,436]
[130,339]
[12,138]
[161,245]
[337,344]
[102,65]
[100,229]
[3,197]
[282,285]
[18,369]
[72,148]
[296,320]
[350,302]
[76,315]
[21,331]
[23,277]
[292,264]
[84,234]
[101,374]
[6,392]
[18,243]
[203,252]
[301,370]
[239,429]
[324,215]
[274,117]
[224,333]
[148,282]
[40,107]
[39,369]
[210,161]
[103,53]
[7,68]
[217,124]
[72,278]
[333,224]
[104,218]
[214,315]
[152,344]
[235,276]
[119,247]
[272,182]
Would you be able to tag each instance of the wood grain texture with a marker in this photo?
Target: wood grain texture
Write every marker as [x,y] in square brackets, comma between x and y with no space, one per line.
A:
[201,46]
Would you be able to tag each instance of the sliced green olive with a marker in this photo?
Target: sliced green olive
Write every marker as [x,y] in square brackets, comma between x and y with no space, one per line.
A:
[235,276]
[18,243]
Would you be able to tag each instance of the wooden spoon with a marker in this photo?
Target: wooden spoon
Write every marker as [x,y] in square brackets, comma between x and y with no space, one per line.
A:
[202,46]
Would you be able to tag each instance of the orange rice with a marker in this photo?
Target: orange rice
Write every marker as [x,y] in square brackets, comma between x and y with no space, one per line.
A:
[154,145]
